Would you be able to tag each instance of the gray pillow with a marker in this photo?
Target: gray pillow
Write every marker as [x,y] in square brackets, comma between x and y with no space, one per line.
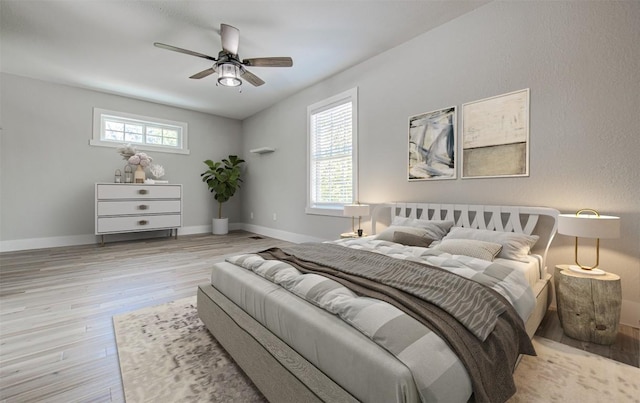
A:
[409,239]
[436,229]
[469,247]
[514,246]
[387,234]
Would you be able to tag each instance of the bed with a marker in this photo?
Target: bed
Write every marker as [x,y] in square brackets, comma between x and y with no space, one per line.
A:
[299,344]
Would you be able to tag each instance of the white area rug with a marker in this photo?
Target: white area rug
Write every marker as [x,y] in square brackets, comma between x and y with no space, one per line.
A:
[167,354]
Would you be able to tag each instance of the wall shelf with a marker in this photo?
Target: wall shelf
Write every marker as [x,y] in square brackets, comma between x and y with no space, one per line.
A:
[263,150]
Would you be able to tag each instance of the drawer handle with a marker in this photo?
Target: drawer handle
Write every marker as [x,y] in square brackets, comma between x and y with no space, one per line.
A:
[143,222]
[142,191]
[143,207]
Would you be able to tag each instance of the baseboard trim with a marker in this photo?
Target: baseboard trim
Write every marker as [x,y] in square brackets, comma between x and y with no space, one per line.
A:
[49,242]
[630,313]
[195,229]
[279,234]
[89,239]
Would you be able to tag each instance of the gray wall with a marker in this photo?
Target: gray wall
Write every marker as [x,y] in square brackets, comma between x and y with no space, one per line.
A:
[581,61]
[48,168]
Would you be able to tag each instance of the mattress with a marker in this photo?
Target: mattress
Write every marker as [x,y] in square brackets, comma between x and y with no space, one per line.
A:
[357,364]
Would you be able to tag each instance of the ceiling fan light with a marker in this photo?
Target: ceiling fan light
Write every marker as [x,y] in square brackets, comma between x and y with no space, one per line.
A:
[228,75]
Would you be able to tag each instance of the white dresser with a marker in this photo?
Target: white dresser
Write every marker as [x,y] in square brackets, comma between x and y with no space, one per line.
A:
[129,207]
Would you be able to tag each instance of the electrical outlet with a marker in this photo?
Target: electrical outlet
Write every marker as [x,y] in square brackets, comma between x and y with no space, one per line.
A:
[252,215]
[275,217]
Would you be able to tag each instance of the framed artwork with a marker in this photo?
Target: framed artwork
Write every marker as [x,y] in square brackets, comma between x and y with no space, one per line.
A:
[432,145]
[495,136]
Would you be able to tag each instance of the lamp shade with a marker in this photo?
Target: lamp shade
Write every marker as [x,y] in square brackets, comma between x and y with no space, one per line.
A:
[356,210]
[228,75]
[589,226]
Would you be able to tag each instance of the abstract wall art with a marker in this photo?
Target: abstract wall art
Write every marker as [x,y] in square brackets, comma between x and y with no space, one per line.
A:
[495,136]
[432,145]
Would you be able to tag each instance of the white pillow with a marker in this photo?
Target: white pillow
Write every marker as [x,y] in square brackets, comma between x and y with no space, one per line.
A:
[469,247]
[514,246]
[436,229]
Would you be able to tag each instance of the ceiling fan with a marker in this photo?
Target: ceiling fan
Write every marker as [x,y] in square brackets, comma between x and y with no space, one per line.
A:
[228,65]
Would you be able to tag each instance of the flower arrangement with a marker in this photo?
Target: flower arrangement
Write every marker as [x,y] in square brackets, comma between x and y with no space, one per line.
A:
[141,159]
[127,151]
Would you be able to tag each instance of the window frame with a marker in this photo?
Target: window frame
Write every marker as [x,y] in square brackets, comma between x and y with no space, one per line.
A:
[97,138]
[350,95]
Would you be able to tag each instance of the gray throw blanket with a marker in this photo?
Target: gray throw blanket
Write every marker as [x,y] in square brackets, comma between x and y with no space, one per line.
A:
[489,362]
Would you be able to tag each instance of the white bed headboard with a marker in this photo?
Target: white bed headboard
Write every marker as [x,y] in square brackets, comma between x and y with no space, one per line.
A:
[541,221]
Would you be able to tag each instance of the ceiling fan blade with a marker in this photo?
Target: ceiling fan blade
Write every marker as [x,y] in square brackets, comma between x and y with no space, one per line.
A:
[204,73]
[230,38]
[269,62]
[185,51]
[251,78]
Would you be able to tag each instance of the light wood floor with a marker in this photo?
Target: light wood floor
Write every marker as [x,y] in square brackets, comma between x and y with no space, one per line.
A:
[56,333]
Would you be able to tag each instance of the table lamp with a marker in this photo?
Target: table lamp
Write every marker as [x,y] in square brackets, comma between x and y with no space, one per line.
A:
[591,225]
[356,210]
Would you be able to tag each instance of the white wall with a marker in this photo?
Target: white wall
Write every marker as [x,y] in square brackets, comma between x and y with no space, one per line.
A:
[581,61]
[48,168]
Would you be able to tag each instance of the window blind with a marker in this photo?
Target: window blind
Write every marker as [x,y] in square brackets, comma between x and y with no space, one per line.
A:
[331,155]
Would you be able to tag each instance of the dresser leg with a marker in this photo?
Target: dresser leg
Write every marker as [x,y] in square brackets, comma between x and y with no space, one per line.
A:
[101,240]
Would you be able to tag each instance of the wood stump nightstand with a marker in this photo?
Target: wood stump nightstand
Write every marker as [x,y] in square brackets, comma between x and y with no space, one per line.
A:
[588,306]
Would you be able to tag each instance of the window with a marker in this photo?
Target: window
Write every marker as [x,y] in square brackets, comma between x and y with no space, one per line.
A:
[112,129]
[332,153]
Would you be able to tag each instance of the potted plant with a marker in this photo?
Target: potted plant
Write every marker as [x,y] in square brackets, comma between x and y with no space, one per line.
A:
[223,179]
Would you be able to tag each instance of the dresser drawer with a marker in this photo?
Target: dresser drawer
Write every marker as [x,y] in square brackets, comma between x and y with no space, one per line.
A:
[138,207]
[107,191]
[137,223]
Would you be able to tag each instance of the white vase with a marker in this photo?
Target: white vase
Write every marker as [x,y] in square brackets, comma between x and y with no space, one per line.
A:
[220,226]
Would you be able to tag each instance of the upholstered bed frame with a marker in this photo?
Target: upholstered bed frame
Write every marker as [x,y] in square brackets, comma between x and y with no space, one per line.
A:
[283,375]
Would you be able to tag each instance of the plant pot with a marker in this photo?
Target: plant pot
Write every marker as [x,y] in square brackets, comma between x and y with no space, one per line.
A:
[220,226]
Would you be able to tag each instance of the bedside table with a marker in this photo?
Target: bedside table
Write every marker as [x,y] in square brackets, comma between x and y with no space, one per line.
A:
[351,235]
[588,306]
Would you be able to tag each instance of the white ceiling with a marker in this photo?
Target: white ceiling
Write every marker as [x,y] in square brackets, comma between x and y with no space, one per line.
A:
[108,45]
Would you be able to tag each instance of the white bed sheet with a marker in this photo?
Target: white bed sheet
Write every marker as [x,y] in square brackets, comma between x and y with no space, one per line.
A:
[532,269]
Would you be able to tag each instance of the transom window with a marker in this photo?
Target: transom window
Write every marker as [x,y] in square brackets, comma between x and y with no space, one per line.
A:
[112,129]
[332,156]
